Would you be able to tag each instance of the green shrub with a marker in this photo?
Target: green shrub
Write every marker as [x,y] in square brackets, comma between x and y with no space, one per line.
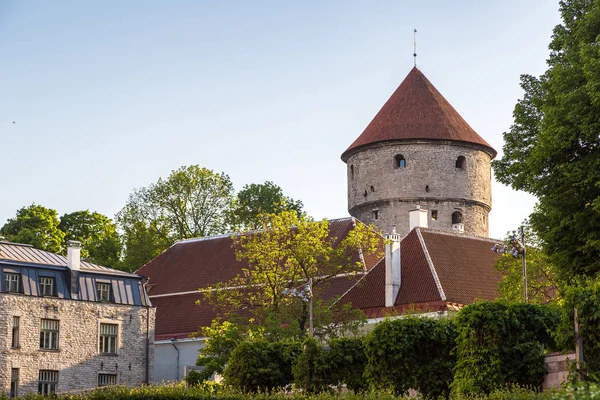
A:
[502,344]
[310,371]
[346,362]
[412,352]
[260,365]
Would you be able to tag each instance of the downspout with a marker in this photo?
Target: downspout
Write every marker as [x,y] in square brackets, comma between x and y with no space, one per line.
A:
[144,284]
[173,344]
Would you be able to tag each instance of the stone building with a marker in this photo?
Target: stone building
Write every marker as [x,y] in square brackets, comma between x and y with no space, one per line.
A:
[419,152]
[68,325]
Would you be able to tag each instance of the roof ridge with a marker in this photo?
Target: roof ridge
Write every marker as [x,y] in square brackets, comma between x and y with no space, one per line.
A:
[460,235]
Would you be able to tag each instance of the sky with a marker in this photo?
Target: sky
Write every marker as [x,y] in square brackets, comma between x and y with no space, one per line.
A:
[107,96]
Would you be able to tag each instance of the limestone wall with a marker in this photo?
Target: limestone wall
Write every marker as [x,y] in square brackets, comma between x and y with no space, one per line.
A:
[77,358]
[430,179]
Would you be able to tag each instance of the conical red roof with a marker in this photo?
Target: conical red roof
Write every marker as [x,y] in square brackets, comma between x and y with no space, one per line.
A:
[417,110]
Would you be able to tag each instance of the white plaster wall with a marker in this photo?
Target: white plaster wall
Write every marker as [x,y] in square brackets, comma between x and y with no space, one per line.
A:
[165,362]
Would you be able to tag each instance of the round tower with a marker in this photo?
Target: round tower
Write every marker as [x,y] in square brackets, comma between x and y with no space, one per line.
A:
[418,151]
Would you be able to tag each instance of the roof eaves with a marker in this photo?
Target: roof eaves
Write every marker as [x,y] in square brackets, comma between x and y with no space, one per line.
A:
[431,266]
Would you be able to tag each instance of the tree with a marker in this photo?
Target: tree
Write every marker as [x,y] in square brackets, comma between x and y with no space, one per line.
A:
[97,234]
[35,225]
[289,250]
[256,199]
[191,202]
[553,149]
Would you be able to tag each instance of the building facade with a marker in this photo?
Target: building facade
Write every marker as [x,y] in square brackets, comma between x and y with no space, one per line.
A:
[419,152]
[67,325]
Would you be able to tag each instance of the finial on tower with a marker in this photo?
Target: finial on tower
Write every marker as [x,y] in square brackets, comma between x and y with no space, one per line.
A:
[415,46]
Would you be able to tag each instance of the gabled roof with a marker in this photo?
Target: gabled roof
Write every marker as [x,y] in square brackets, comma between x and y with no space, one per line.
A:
[26,254]
[436,266]
[416,110]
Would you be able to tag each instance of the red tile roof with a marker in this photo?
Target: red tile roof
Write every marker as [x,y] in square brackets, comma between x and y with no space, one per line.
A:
[417,110]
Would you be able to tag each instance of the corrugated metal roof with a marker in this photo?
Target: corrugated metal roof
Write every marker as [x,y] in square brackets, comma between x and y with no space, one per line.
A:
[25,253]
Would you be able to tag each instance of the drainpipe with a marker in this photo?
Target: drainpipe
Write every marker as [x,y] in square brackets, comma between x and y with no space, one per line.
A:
[173,344]
[144,284]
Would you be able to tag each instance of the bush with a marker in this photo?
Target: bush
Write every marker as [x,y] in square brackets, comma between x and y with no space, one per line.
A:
[260,365]
[411,353]
[501,344]
[346,362]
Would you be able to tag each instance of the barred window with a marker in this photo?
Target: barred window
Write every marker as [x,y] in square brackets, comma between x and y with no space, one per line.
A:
[14,382]
[103,292]
[108,338]
[47,286]
[107,379]
[12,282]
[48,381]
[49,334]
[16,332]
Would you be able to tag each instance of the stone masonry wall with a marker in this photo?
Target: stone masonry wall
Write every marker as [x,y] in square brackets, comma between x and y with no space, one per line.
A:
[77,358]
[430,179]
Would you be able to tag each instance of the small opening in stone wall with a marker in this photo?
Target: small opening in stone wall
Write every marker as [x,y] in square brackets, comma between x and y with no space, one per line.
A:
[457,217]
[366,194]
[352,171]
[400,161]
[461,162]
[483,220]
[375,214]
[372,188]
[427,188]
[434,215]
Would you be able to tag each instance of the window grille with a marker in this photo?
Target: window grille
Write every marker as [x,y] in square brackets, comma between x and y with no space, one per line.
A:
[16,332]
[108,338]
[48,381]
[14,382]
[46,286]
[49,334]
[12,282]
[107,379]
[103,291]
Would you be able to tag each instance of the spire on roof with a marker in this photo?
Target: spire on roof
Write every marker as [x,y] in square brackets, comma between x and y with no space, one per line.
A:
[416,110]
[415,47]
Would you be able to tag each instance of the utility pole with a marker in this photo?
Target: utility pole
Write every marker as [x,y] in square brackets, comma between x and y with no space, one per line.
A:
[524,261]
[310,307]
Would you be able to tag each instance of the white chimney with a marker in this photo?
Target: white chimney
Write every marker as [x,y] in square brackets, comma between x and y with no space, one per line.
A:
[392,267]
[417,218]
[73,255]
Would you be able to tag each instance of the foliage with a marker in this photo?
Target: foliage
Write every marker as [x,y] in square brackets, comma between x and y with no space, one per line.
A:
[584,295]
[501,344]
[411,353]
[288,251]
[310,373]
[261,365]
[256,199]
[553,149]
[35,225]
[97,234]
[191,202]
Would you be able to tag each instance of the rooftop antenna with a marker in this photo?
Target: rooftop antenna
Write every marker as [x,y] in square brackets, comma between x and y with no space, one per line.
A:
[415,46]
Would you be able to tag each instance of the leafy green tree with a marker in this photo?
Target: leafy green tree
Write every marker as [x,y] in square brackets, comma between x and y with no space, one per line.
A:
[553,149]
[97,234]
[35,225]
[256,199]
[191,202]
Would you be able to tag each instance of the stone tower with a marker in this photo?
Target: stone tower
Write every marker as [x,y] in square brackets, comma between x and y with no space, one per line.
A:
[418,151]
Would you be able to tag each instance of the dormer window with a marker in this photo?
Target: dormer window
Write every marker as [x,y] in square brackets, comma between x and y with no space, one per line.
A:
[456,217]
[103,292]
[12,282]
[47,286]
[461,162]
[400,161]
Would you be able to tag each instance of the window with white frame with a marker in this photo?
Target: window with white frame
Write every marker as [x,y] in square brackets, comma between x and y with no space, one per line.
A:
[103,292]
[49,334]
[108,338]
[107,379]
[16,332]
[48,380]
[12,282]
[47,286]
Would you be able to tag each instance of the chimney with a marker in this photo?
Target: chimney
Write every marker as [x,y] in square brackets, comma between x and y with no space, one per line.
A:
[392,267]
[417,218]
[73,264]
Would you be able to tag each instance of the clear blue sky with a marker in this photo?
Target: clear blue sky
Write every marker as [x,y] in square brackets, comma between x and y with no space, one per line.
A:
[111,95]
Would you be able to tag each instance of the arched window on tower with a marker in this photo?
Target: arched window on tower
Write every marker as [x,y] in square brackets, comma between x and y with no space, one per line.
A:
[456,217]
[400,161]
[461,162]
[352,171]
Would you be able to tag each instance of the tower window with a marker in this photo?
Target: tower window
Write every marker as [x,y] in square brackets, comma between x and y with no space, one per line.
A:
[483,219]
[372,188]
[434,216]
[375,214]
[352,171]
[461,162]
[457,217]
[400,161]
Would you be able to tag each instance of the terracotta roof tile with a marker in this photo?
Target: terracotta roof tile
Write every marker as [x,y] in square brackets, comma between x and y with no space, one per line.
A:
[416,110]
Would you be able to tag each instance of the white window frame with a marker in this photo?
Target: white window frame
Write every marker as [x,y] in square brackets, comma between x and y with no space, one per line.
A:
[12,282]
[46,281]
[16,332]
[104,295]
[49,336]
[47,381]
[107,379]
[117,324]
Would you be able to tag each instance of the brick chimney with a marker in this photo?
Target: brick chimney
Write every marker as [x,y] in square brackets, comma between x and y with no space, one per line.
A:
[73,265]
[417,218]
[392,267]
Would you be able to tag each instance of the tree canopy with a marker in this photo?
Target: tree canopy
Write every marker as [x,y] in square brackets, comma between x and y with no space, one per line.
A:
[35,225]
[553,149]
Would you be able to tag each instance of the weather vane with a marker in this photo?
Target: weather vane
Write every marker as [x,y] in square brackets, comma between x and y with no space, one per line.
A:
[415,46]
